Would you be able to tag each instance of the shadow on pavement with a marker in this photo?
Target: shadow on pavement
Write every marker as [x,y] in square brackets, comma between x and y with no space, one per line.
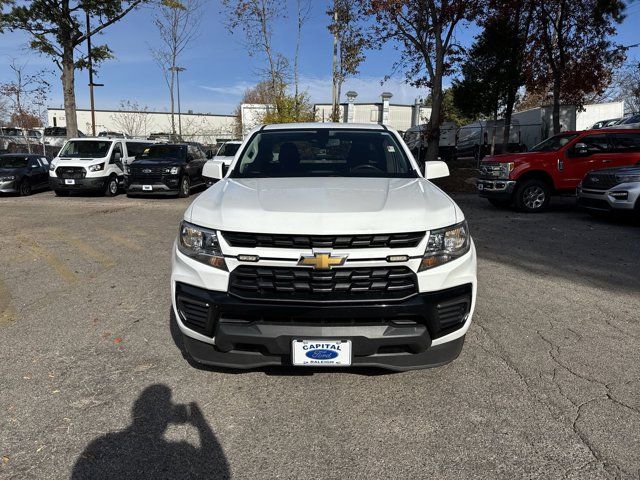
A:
[142,452]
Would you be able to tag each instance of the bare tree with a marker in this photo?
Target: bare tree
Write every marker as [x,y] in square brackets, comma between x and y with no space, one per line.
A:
[26,94]
[256,18]
[133,120]
[178,23]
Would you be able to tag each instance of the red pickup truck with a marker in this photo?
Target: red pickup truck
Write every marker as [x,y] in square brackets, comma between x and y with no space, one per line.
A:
[554,167]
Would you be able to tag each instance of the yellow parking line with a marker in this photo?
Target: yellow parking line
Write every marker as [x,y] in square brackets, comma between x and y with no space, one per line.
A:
[7,315]
[83,247]
[50,258]
[124,241]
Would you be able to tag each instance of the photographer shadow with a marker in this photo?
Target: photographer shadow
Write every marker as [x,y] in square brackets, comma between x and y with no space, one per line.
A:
[141,451]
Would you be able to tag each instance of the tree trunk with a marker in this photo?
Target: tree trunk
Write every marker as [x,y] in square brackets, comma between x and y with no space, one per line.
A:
[433,128]
[511,100]
[556,106]
[68,91]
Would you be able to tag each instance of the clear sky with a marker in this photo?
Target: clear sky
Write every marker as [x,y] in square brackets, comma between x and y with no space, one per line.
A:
[219,68]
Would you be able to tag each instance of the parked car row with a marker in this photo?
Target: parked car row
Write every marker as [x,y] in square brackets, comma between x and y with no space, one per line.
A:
[109,165]
[599,165]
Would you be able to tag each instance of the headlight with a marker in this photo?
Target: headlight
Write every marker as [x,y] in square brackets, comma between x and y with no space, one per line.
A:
[52,166]
[201,244]
[7,179]
[505,169]
[96,168]
[446,244]
[172,170]
[628,178]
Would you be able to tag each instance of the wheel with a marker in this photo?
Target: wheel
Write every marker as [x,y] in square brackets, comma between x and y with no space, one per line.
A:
[111,188]
[25,188]
[532,196]
[499,203]
[61,193]
[185,187]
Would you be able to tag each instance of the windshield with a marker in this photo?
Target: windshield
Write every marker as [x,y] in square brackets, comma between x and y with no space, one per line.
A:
[164,152]
[554,143]
[323,153]
[85,148]
[13,162]
[228,150]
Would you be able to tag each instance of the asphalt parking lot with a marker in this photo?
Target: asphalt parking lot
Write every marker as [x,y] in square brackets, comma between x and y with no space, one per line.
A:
[93,384]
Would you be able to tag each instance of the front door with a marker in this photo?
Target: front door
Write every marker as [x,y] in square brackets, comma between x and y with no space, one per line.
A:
[588,153]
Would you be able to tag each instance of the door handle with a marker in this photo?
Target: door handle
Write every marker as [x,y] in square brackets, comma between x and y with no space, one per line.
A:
[607,161]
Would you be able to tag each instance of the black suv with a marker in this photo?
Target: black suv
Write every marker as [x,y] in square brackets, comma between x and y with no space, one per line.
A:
[166,168]
[23,172]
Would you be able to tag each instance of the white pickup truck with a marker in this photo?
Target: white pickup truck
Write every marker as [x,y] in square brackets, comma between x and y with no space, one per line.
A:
[324,245]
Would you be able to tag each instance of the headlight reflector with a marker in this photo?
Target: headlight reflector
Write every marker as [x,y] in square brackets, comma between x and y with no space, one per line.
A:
[7,179]
[446,244]
[172,170]
[96,168]
[201,244]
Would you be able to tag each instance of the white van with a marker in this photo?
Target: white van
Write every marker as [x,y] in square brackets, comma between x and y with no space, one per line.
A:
[93,164]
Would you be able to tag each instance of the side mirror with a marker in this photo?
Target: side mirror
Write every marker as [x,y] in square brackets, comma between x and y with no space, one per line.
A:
[117,157]
[209,154]
[435,169]
[580,149]
[213,170]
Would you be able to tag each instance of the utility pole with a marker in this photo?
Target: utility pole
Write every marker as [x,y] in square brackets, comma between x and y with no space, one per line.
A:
[178,70]
[334,93]
[91,84]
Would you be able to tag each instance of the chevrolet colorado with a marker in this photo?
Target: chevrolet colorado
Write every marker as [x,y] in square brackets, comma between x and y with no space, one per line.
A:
[324,245]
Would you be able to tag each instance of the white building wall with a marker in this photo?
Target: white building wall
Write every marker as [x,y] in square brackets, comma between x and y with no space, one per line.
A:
[597,112]
[205,128]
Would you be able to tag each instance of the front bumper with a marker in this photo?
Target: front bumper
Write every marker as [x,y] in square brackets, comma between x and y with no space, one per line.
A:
[624,197]
[498,189]
[405,334]
[169,185]
[96,183]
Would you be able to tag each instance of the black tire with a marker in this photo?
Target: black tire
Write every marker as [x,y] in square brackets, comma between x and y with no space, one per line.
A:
[24,189]
[532,196]
[111,186]
[61,193]
[185,187]
[499,203]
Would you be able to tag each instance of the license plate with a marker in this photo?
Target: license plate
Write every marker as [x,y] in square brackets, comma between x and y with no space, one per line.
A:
[318,353]
[69,182]
[147,188]
[481,186]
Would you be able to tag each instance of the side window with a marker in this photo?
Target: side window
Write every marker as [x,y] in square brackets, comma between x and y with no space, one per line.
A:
[116,149]
[596,143]
[626,142]
[33,163]
[44,162]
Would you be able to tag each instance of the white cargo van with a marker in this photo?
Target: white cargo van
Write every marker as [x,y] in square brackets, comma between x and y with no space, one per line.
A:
[92,164]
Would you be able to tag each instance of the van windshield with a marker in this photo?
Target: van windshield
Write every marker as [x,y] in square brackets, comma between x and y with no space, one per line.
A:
[323,153]
[228,150]
[554,143]
[85,148]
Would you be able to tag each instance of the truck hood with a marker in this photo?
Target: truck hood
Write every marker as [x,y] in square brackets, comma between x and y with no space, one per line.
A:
[324,206]
[516,157]
[630,170]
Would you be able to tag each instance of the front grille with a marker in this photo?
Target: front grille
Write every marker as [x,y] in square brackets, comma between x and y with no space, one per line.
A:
[71,172]
[392,240]
[280,283]
[145,171]
[599,181]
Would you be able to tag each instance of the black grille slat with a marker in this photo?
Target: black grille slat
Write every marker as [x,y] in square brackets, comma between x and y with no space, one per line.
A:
[71,172]
[253,240]
[282,283]
[194,314]
[599,181]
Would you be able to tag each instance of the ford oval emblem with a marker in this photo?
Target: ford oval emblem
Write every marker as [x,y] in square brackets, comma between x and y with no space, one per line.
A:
[146,170]
[321,354]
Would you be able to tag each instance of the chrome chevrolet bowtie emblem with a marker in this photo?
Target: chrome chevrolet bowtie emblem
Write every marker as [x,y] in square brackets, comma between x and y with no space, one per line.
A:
[322,261]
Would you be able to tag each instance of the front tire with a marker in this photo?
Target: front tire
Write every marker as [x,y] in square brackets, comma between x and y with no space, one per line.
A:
[24,189]
[532,196]
[185,187]
[111,188]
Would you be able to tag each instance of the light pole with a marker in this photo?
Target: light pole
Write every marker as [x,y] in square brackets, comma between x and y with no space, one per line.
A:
[178,70]
[91,84]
